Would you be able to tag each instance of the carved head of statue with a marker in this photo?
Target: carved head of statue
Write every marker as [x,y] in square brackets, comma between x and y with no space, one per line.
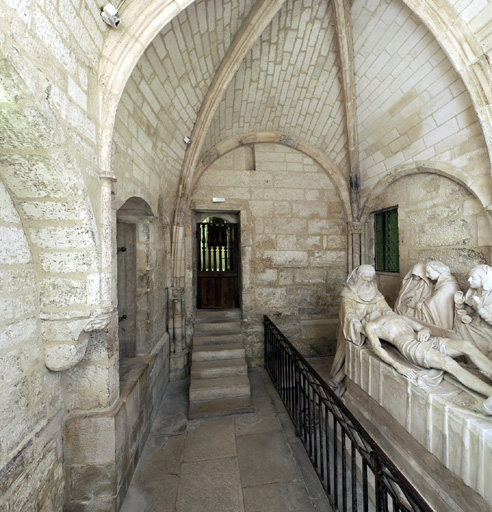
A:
[362,282]
[481,277]
[434,269]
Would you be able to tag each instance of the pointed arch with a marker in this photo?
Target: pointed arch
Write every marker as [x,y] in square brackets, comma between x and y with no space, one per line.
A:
[234,142]
[141,22]
[477,189]
[257,20]
[464,52]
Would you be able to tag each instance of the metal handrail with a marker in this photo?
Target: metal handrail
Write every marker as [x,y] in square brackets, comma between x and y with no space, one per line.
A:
[331,435]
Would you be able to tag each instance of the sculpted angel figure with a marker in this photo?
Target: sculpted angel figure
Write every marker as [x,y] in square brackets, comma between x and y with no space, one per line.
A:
[473,319]
[359,298]
[415,288]
[416,344]
[438,309]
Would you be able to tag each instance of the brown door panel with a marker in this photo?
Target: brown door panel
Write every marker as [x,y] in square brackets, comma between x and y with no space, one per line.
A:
[218,266]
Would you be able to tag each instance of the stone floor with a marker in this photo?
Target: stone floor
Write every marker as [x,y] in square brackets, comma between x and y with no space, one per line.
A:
[246,463]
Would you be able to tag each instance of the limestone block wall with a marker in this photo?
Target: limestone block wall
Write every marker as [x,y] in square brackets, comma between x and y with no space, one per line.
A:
[49,107]
[49,162]
[31,397]
[162,97]
[431,227]
[291,82]
[411,103]
[477,16]
[293,243]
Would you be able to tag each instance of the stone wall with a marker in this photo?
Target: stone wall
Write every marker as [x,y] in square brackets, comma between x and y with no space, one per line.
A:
[162,96]
[411,104]
[54,282]
[31,397]
[431,227]
[293,242]
[294,65]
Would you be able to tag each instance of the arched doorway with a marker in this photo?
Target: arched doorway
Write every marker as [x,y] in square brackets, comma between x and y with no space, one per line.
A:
[217,261]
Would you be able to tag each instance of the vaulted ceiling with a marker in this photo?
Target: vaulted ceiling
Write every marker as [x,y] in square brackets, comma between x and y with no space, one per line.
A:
[368,86]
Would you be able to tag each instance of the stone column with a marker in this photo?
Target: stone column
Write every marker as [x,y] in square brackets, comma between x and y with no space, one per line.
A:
[107,180]
[355,233]
[178,346]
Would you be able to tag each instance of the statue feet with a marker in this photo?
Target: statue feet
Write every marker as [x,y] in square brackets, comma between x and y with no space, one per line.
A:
[487,406]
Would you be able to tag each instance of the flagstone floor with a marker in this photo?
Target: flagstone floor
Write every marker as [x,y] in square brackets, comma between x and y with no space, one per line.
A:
[244,463]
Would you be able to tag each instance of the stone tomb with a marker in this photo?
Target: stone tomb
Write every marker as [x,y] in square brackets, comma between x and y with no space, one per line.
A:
[446,419]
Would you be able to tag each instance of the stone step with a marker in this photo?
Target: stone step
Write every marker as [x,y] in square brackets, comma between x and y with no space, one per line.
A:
[216,339]
[220,314]
[223,387]
[218,327]
[214,352]
[222,407]
[219,368]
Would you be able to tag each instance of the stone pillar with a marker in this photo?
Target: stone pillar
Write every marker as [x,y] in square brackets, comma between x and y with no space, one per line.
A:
[355,234]
[106,238]
[178,346]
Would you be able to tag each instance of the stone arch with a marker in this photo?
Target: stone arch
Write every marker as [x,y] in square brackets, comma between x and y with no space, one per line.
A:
[431,227]
[232,143]
[50,195]
[122,50]
[124,47]
[483,194]
[228,145]
[464,52]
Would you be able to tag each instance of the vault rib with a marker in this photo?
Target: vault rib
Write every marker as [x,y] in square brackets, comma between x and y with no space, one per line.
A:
[258,19]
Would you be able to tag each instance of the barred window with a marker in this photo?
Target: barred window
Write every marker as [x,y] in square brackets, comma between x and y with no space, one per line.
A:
[386,240]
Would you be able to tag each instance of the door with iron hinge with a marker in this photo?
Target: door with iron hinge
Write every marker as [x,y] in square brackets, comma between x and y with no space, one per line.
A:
[218,264]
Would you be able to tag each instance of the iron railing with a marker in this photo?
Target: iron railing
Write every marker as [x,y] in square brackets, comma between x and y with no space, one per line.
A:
[354,471]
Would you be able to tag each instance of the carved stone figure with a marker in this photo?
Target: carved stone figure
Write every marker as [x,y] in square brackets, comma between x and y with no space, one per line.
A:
[438,309]
[428,351]
[416,287]
[473,319]
[359,298]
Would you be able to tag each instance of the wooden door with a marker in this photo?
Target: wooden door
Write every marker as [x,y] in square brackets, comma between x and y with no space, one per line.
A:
[218,265]
[127,282]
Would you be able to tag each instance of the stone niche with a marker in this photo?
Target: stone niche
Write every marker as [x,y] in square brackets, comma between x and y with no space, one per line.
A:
[445,419]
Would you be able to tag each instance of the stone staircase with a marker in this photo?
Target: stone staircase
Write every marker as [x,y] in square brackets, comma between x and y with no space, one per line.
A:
[219,375]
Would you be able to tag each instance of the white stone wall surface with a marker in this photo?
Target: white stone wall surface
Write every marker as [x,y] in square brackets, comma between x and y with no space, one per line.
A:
[31,397]
[431,227]
[411,103]
[290,82]
[293,242]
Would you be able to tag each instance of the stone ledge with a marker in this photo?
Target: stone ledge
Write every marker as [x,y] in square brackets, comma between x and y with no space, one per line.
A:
[102,447]
[445,419]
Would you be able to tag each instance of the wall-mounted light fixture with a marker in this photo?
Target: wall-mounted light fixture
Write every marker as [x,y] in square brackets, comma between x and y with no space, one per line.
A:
[187,140]
[110,15]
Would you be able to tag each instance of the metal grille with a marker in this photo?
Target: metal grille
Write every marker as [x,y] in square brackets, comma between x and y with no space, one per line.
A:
[355,473]
[216,247]
[387,240]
